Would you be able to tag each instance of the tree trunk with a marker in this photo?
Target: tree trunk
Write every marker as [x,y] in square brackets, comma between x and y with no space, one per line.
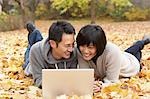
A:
[1,2]
[141,3]
[26,12]
[92,9]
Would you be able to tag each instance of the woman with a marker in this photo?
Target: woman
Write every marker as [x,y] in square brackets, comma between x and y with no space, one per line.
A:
[108,61]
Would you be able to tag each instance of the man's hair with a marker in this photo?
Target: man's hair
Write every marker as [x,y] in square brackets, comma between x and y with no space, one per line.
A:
[92,34]
[58,28]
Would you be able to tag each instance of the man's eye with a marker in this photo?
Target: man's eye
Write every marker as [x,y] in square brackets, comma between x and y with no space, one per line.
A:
[70,45]
[75,43]
[91,47]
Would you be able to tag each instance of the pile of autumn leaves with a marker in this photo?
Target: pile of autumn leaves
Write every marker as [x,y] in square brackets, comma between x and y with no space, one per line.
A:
[14,84]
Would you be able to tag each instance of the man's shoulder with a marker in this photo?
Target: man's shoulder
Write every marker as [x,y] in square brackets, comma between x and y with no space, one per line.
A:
[36,46]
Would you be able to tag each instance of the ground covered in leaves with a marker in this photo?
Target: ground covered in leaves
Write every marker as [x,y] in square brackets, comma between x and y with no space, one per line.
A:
[15,85]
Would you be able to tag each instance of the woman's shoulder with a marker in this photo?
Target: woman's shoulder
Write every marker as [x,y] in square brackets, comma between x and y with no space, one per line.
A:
[111,51]
[112,47]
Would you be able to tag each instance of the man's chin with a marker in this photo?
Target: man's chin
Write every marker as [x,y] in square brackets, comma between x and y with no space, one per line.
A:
[66,57]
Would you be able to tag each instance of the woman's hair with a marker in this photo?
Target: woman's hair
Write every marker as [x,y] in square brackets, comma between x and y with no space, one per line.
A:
[92,34]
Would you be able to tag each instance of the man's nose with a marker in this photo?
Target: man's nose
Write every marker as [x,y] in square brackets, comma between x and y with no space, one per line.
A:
[70,49]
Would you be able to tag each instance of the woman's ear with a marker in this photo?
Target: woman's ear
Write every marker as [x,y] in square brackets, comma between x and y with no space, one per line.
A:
[52,43]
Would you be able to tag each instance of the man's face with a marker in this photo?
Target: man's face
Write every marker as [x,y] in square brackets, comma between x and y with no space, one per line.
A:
[64,48]
[88,52]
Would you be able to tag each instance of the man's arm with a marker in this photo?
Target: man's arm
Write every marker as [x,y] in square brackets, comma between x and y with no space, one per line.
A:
[36,66]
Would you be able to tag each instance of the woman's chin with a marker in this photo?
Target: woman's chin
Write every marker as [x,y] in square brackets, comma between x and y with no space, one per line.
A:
[87,58]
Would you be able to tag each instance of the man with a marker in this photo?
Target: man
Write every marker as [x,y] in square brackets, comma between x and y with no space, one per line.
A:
[56,52]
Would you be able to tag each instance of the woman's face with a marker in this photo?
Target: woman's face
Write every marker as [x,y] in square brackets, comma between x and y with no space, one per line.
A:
[88,52]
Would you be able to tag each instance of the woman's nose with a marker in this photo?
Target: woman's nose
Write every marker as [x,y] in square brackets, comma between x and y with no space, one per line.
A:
[86,50]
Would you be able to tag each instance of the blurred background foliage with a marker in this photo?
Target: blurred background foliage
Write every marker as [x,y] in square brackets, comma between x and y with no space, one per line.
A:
[14,14]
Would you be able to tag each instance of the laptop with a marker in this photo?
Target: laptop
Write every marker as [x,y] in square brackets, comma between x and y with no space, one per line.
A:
[56,82]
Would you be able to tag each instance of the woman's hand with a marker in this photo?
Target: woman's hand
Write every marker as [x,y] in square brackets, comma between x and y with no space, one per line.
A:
[97,86]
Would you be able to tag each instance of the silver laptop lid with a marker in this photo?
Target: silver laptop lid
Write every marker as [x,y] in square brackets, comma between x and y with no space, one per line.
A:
[56,82]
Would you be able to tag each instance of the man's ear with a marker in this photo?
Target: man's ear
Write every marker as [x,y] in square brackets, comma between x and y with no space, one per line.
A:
[52,43]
